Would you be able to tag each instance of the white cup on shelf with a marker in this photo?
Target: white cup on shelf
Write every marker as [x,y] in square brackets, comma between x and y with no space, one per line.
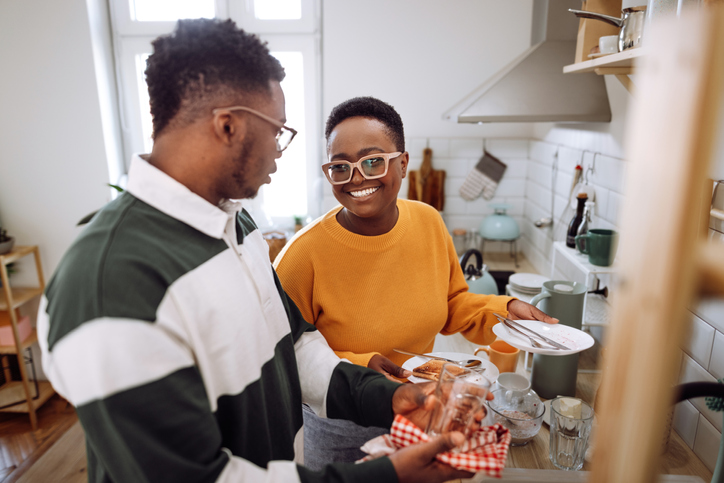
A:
[608,44]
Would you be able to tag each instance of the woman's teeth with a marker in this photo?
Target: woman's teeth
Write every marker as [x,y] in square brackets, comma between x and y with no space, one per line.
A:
[361,193]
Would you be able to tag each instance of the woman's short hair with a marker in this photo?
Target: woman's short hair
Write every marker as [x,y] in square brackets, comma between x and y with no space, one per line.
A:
[372,108]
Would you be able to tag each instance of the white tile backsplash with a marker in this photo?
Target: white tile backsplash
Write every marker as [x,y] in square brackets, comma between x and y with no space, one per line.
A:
[543,152]
[415,146]
[702,354]
[711,310]
[706,445]
[716,363]
[510,187]
[504,148]
[466,148]
[691,371]
[699,340]
[452,185]
[609,172]
[454,167]
[569,158]
[454,205]
[440,147]
[516,168]
[686,418]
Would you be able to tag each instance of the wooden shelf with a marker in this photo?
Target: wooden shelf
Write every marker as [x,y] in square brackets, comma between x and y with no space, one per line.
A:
[10,299]
[623,62]
[20,296]
[16,253]
[30,340]
[45,390]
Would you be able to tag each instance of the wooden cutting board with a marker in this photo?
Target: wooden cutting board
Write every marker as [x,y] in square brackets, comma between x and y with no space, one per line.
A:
[427,184]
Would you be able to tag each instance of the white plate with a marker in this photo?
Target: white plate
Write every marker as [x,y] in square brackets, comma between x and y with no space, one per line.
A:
[491,372]
[576,339]
[527,281]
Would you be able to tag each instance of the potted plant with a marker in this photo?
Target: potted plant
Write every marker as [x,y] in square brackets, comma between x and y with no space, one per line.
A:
[6,242]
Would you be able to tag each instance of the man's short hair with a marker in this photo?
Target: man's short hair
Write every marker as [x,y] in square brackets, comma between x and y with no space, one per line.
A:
[372,108]
[203,61]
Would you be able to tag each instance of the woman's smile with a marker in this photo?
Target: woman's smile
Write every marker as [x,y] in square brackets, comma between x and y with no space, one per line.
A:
[363,193]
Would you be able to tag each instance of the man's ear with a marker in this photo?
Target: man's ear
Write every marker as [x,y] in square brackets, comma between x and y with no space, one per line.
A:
[404,160]
[227,127]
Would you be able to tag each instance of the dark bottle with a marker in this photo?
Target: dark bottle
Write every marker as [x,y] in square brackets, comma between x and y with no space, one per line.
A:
[576,221]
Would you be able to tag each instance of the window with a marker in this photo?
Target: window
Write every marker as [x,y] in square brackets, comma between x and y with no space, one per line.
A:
[289,27]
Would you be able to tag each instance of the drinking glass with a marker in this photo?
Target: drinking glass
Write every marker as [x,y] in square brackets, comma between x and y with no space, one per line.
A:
[460,396]
[569,436]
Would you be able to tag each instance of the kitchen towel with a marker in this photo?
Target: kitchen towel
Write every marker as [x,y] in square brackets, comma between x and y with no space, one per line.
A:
[427,184]
[484,178]
[486,450]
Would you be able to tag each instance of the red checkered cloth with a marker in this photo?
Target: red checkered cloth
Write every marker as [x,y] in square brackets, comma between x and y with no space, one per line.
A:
[486,450]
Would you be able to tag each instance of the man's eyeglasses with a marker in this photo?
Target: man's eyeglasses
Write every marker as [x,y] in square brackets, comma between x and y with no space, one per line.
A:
[285,134]
[371,167]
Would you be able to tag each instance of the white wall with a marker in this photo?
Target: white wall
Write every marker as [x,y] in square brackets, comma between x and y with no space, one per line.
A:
[53,166]
[423,57]
[52,155]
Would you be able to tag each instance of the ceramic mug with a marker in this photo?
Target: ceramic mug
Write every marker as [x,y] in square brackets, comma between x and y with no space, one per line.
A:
[514,385]
[608,44]
[600,245]
[503,355]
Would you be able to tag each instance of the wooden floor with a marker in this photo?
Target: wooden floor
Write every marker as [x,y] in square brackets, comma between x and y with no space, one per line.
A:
[22,450]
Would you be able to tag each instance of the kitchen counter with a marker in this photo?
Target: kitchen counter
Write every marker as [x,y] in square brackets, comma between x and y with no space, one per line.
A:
[678,459]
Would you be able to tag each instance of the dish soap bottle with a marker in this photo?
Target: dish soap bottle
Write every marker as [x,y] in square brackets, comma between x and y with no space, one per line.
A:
[576,221]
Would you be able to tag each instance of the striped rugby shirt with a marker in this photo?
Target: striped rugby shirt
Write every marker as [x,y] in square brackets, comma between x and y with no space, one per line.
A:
[168,330]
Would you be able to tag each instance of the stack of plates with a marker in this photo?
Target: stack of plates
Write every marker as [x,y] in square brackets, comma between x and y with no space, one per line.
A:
[527,283]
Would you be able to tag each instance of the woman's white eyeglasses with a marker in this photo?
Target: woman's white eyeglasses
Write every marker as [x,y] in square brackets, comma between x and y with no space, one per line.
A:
[285,134]
[371,167]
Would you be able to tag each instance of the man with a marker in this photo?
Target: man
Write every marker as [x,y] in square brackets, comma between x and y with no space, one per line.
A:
[165,324]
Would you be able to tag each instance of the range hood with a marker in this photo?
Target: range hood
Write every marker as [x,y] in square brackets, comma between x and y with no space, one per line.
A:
[533,87]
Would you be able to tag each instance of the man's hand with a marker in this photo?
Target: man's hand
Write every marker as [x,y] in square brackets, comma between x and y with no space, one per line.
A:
[517,309]
[416,401]
[417,462]
[388,368]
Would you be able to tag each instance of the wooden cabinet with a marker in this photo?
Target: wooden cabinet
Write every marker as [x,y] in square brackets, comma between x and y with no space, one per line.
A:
[35,392]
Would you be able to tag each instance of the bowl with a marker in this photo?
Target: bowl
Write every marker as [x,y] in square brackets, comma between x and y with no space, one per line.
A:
[521,414]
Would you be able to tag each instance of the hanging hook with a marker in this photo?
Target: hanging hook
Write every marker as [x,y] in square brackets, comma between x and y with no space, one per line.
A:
[590,170]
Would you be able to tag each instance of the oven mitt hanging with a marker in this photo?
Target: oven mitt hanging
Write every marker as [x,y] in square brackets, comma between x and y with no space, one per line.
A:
[484,178]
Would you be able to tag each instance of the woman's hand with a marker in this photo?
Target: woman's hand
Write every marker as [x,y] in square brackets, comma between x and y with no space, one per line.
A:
[517,309]
[388,368]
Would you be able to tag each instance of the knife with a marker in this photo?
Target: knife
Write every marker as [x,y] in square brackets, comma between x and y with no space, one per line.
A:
[467,363]
[536,334]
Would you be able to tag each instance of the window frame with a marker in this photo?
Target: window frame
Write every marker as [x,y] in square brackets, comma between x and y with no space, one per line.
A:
[132,38]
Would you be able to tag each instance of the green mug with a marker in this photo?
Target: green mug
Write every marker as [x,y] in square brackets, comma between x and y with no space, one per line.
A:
[600,246]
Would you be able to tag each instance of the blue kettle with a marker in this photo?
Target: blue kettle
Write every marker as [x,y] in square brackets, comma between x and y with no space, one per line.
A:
[477,276]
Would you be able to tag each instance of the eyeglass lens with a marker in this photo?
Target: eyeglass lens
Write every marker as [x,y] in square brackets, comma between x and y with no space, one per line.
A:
[371,167]
[284,138]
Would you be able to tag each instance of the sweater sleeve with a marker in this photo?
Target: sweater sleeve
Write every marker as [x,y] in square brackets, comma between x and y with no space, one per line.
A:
[469,313]
[296,273]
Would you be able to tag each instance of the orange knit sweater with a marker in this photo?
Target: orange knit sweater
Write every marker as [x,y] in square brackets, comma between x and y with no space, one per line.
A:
[373,294]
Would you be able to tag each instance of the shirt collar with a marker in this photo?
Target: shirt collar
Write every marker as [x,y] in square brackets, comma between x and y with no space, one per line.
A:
[151,185]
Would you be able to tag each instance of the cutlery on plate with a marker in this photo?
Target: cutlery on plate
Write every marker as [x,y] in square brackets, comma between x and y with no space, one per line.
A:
[533,342]
[467,363]
[534,333]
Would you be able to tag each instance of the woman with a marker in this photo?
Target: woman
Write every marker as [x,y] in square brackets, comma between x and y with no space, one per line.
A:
[378,273]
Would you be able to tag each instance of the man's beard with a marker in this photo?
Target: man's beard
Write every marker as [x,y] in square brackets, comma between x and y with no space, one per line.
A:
[240,174]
